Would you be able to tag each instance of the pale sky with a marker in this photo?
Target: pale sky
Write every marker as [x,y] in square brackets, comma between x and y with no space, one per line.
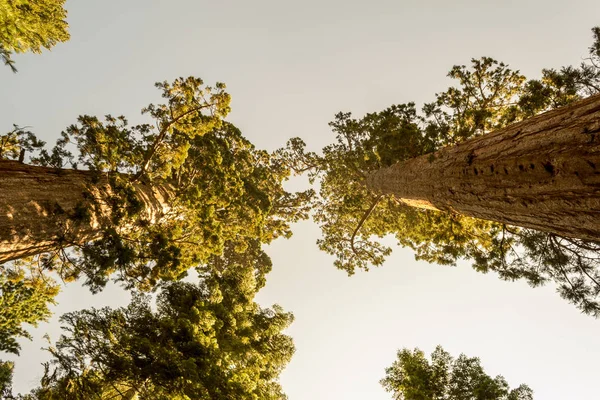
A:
[290,66]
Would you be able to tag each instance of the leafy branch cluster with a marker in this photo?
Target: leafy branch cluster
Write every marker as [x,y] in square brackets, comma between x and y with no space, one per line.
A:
[488,95]
[220,188]
[203,341]
[30,25]
[413,377]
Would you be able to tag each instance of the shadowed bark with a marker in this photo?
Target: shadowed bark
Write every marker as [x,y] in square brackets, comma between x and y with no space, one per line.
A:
[40,207]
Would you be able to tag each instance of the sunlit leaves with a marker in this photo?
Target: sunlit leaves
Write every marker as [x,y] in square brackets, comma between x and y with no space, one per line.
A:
[16,143]
[191,110]
[31,25]
[413,377]
[219,187]
[204,341]
[484,100]
[486,96]
[24,299]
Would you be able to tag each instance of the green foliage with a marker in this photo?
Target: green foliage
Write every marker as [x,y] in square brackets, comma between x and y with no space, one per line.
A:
[560,87]
[413,377]
[488,95]
[14,144]
[483,101]
[221,188]
[24,299]
[204,341]
[30,25]
[6,374]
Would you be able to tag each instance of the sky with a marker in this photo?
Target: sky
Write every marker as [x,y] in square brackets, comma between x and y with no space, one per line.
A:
[290,66]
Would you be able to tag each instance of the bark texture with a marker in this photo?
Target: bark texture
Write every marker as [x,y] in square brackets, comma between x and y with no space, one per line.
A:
[541,173]
[37,205]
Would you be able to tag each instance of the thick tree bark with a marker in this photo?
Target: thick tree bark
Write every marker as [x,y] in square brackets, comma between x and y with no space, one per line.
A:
[541,173]
[38,204]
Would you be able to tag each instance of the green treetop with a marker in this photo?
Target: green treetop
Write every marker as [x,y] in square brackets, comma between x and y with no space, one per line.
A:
[488,96]
[203,341]
[30,25]
[413,377]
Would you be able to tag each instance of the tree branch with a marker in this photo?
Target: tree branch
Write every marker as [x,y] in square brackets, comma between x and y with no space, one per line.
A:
[362,221]
[163,132]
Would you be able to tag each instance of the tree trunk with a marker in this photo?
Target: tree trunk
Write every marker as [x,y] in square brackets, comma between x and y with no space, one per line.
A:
[38,205]
[541,173]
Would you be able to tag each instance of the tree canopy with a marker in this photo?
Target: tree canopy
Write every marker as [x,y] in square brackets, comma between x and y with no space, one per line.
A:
[30,25]
[413,377]
[202,341]
[220,188]
[488,95]
[225,199]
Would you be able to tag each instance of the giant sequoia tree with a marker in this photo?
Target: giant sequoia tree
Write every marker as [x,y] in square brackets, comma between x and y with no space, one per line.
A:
[30,25]
[143,202]
[413,377]
[522,201]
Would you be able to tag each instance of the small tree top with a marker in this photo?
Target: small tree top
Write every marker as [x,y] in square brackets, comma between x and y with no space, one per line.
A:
[413,377]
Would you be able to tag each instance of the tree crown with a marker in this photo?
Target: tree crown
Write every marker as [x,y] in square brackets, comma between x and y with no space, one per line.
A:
[488,95]
[413,377]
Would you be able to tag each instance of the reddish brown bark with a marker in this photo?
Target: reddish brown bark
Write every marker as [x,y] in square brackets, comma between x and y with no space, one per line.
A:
[37,205]
[541,173]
